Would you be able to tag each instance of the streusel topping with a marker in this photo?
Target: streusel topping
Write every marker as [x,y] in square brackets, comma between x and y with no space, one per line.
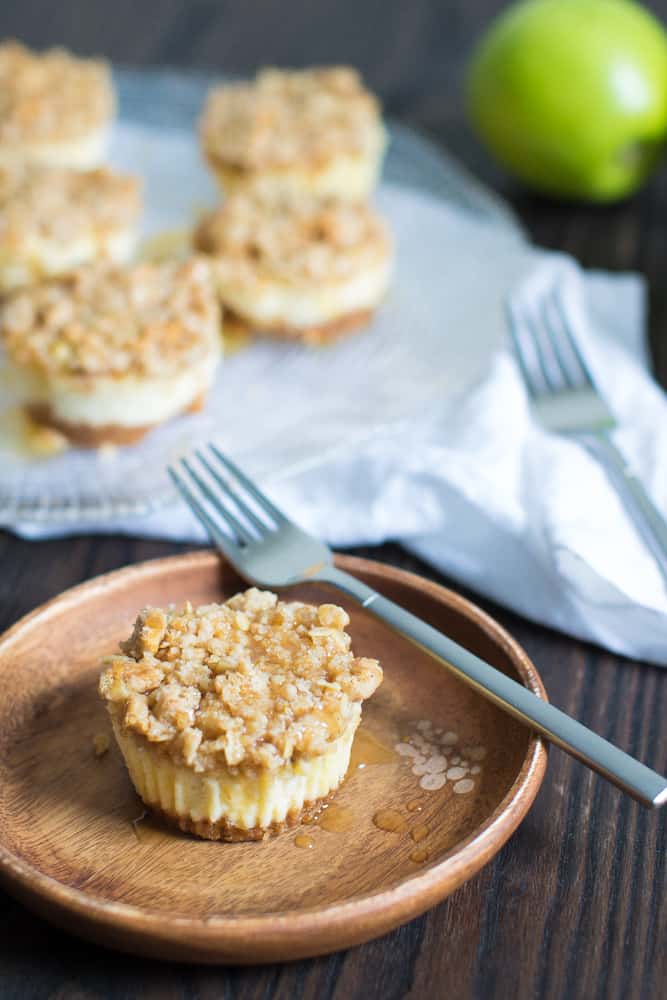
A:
[59,204]
[290,117]
[51,96]
[101,319]
[254,682]
[291,238]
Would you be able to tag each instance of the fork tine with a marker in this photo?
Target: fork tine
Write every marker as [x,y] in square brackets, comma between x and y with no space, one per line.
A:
[216,534]
[259,498]
[554,377]
[239,529]
[585,372]
[260,526]
[535,386]
[553,336]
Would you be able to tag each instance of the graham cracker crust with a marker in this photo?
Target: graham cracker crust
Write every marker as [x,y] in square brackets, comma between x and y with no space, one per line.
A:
[93,436]
[317,335]
[223,830]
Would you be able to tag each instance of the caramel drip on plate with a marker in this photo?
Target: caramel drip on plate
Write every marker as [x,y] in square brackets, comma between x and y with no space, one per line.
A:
[26,439]
[304,840]
[233,339]
[389,819]
[336,819]
[367,750]
[134,823]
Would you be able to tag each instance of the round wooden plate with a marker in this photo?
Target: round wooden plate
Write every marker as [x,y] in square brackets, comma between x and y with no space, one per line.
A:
[68,845]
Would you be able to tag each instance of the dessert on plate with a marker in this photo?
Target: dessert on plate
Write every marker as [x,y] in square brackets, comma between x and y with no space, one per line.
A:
[316,130]
[55,109]
[105,353]
[54,218]
[236,720]
[297,266]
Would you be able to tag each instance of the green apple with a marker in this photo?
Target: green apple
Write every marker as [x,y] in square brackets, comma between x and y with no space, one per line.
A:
[571,95]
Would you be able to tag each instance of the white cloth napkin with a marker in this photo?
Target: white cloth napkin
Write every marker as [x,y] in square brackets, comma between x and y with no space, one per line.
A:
[419,430]
[476,488]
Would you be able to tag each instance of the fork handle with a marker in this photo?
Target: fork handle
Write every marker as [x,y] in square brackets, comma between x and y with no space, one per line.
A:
[645,515]
[629,774]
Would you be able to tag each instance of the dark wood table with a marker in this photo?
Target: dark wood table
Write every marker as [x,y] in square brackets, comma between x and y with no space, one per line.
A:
[574,905]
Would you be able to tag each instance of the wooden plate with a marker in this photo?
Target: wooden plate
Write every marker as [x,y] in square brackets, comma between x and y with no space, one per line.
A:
[70,851]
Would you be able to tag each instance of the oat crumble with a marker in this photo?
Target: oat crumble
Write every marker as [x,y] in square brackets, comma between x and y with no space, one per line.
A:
[291,238]
[61,204]
[254,682]
[290,117]
[51,96]
[101,319]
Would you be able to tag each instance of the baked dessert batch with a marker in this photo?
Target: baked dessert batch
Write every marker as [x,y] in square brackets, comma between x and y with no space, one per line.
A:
[103,348]
[234,720]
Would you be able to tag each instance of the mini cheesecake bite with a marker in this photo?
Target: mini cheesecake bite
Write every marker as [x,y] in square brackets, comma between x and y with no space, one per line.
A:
[105,353]
[53,219]
[236,720]
[55,109]
[312,131]
[299,267]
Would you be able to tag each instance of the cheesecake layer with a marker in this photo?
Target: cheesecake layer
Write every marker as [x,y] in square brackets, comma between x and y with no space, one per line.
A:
[95,435]
[319,334]
[82,153]
[232,804]
[42,258]
[351,176]
[130,401]
[275,305]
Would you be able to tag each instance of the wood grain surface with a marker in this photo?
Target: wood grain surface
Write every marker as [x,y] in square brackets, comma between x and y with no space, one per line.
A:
[574,906]
[77,845]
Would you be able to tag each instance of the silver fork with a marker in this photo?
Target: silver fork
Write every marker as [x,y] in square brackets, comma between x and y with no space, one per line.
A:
[269,550]
[566,400]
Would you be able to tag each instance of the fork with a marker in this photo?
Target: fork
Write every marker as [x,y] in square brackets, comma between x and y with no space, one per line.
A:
[269,550]
[566,400]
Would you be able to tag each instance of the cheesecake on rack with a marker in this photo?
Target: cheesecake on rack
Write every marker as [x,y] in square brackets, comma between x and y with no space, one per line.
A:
[55,108]
[316,131]
[297,266]
[105,353]
[53,219]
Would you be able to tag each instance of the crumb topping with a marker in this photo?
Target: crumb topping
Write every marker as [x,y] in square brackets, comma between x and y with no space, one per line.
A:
[101,319]
[61,205]
[254,682]
[290,117]
[291,238]
[52,95]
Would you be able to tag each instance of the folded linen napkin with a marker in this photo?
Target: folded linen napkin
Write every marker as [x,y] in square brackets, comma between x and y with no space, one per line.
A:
[479,490]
